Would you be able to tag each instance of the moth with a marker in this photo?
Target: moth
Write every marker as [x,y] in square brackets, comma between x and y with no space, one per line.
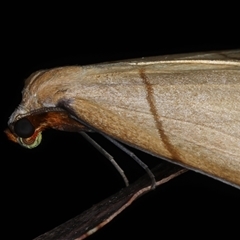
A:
[182,108]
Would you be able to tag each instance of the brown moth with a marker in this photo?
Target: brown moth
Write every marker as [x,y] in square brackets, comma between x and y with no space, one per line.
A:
[182,108]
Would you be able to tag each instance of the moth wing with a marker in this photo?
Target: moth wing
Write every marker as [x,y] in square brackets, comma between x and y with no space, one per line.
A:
[186,110]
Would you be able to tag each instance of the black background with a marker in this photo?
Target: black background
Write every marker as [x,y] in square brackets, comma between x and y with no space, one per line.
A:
[46,186]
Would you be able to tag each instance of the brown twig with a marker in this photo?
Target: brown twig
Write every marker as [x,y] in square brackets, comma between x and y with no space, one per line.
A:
[102,213]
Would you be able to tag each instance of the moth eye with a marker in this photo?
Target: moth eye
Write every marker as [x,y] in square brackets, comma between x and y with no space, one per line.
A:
[24,128]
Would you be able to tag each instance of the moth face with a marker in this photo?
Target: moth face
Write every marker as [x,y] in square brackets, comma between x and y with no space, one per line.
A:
[27,130]
[25,133]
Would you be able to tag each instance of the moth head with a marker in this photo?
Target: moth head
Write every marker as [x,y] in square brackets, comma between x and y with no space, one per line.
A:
[24,132]
[27,135]
[27,129]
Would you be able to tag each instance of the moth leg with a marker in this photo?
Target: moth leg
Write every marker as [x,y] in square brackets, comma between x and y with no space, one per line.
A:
[107,155]
[135,158]
[131,154]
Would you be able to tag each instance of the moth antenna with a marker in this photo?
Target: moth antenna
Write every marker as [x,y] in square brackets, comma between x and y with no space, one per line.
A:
[107,155]
[135,158]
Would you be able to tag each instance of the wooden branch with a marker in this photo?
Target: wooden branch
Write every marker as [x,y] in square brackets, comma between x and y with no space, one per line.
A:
[99,215]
